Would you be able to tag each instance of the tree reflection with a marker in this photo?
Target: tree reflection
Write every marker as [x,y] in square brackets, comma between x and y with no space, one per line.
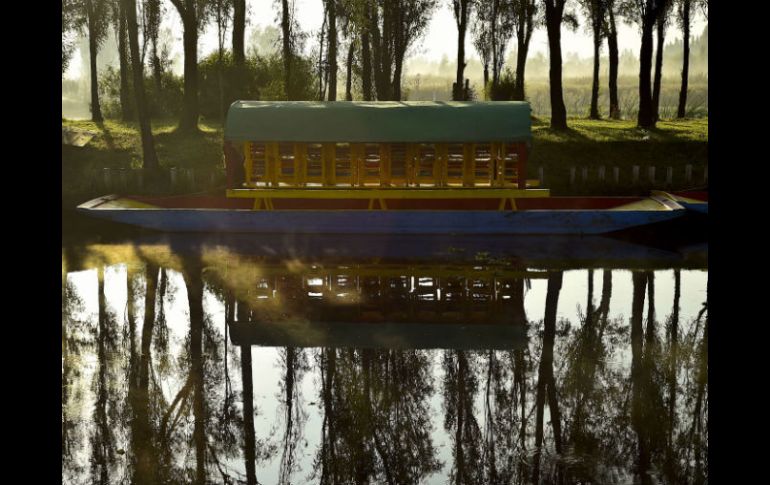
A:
[546,384]
[376,426]
[625,394]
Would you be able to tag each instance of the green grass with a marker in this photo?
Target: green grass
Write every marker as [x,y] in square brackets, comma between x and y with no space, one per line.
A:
[595,143]
[589,143]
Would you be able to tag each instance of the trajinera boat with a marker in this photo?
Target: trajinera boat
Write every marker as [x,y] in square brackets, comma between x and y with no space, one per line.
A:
[381,168]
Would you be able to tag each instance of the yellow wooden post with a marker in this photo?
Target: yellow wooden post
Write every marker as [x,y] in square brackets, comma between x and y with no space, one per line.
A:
[357,154]
[385,164]
[409,164]
[248,163]
[501,164]
[300,163]
[440,164]
[494,163]
[469,164]
[328,168]
[272,163]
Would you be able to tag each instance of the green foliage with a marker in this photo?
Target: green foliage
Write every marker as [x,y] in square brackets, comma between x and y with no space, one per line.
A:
[220,83]
[163,103]
[505,88]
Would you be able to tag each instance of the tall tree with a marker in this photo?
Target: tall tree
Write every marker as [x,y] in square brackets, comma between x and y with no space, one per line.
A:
[461,10]
[149,157]
[393,27]
[239,29]
[684,9]
[193,14]
[223,14]
[70,20]
[501,31]
[482,37]
[331,11]
[546,383]
[287,24]
[612,47]
[524,12]
[554,14]
[95,18]
[121,32]
[154,12]
[645,13]
[661,25]
[595,12]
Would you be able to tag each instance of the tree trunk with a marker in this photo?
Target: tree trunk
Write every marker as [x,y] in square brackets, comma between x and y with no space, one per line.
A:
[670,465]
[157,68]
[192,277]
[645,118]
[545,374]
[142,440]
[126,108]
[661,31]
[286,31]
[462,22]
[249,454]
[553,13]
[493,34]
[239,28]
[189,119]
[366,67]
[149,157]
[332,50]
[349,72]
[93,50]
[523,37]
[637,376]
[682,108]
[595,86]
[612,45]
[396,90]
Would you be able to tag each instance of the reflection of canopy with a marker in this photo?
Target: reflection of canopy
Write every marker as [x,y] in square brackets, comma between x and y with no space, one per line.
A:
[379,335]
[378,122]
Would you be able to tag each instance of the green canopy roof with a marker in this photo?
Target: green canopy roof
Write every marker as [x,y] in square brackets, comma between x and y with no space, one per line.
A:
[378,121]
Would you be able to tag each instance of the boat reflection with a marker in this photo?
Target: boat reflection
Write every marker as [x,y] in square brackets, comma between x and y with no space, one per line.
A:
[201,363]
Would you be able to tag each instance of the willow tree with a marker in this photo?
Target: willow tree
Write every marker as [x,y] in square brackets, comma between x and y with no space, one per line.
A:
[595,11]
[492,31]
[461,9]
[193,14]
[684,9]
[481,38]
[660,30]
[554,15]
[118,19]
[69,22]
[611,32]
[154,11]
[393,27]
[524,12]
[331,16]
[645,13]
[94,17]
[149,157]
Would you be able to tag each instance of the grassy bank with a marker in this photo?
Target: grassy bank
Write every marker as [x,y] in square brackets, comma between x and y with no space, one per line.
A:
[588,143]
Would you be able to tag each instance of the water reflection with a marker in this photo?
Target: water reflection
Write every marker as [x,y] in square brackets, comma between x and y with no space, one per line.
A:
[211,365]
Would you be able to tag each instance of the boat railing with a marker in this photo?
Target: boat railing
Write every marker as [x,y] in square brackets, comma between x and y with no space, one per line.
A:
[372,165]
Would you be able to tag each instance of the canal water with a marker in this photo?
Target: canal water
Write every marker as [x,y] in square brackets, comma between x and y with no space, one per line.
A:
[280,360]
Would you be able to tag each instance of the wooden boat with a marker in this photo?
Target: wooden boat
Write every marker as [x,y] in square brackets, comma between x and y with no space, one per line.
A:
[692,200]
[552,215]
[382,168]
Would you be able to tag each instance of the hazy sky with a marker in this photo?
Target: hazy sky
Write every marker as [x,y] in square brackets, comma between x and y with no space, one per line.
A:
[439,40]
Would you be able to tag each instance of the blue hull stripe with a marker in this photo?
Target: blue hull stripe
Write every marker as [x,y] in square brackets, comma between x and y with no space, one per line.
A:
[385,222]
